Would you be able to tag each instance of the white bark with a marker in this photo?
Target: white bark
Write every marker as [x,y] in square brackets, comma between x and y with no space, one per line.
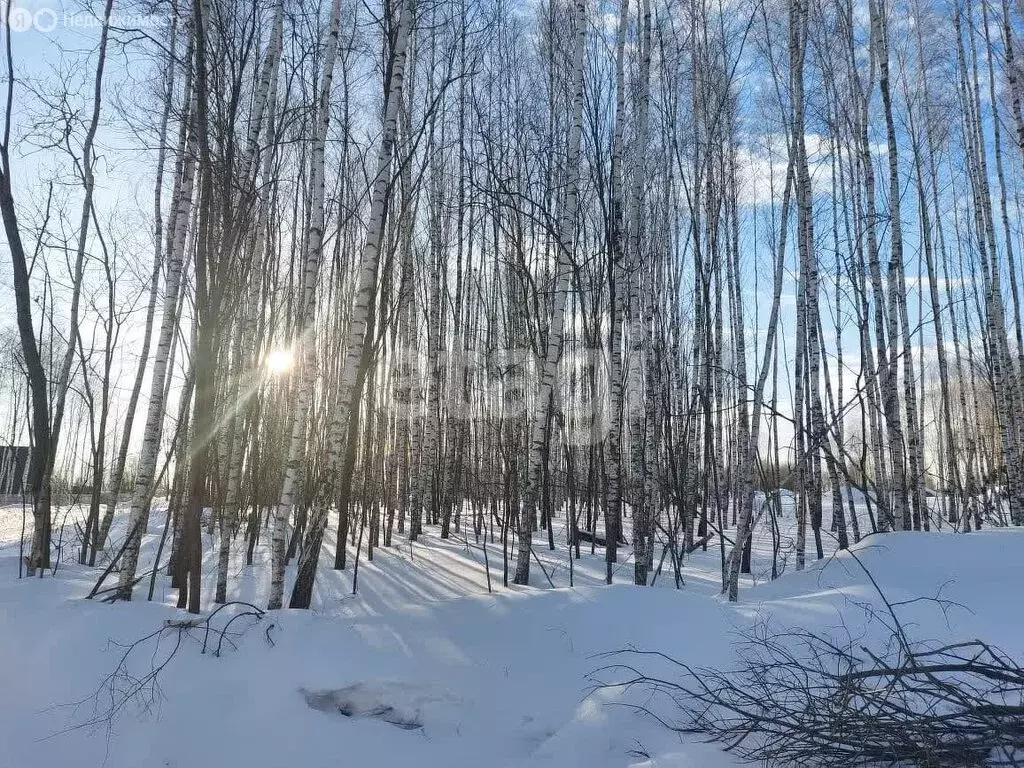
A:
[304,333]
[355,337]
[541,420]
[156,409]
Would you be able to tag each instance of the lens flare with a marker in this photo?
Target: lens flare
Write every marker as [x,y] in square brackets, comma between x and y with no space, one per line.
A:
[279,361]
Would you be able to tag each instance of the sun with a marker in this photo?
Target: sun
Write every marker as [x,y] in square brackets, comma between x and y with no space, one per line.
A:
[279,361]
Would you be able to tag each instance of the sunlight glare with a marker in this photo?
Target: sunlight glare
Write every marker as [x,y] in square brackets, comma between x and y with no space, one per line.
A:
[279,361]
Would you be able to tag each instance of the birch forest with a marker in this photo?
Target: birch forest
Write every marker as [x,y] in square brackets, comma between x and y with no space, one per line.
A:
[628,277]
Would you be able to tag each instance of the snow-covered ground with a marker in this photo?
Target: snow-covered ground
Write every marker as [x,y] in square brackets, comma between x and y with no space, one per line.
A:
[432,669]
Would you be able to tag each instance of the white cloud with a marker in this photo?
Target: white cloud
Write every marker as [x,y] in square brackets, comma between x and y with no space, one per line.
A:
[762,166]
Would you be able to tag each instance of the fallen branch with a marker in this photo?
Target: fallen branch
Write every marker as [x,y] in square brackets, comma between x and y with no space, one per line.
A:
[123,687]
[807,699]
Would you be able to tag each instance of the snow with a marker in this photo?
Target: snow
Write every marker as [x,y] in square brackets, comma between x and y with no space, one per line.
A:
[430,668]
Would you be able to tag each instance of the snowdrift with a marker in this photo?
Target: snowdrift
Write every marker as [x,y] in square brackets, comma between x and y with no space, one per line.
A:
[496,680]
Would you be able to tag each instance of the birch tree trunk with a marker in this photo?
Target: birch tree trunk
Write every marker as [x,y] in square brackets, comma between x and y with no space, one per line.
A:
[541,419]
[142,494]
[617,287]
[304,337]
[117,476]
[357,340]
[643,354]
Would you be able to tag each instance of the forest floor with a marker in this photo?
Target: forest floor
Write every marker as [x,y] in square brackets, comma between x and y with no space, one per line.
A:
[433,669]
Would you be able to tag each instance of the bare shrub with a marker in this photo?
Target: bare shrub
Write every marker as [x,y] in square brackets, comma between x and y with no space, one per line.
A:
[802,698]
